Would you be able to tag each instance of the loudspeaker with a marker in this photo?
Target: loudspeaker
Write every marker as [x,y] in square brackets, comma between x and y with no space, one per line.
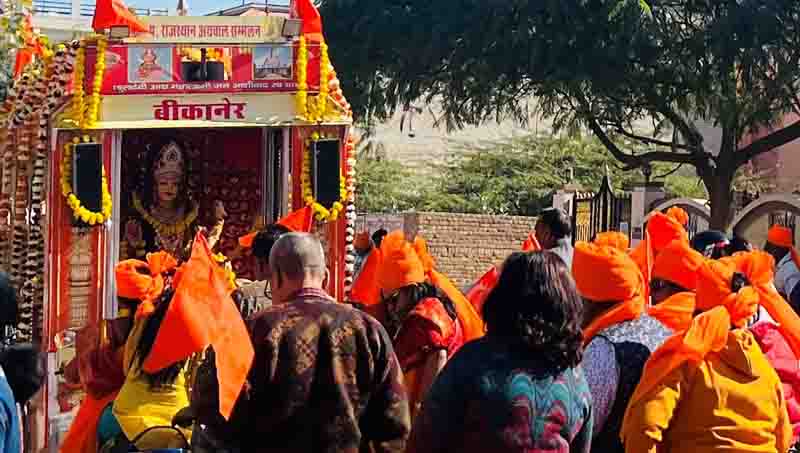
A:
[326,168]
[87,175]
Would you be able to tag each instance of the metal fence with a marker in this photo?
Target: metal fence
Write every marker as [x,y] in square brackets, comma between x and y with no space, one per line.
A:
[84,9]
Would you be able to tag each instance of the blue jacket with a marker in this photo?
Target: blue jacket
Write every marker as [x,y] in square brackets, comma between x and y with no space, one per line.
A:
[9,419]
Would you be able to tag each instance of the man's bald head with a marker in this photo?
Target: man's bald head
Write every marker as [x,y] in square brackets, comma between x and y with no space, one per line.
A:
[298,256]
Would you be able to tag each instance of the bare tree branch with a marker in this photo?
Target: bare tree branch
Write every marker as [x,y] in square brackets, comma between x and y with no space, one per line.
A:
[768,143]
[652,141]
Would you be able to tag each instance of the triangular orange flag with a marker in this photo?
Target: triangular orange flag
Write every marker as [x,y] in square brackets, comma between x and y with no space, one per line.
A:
[202,313]
[109,13]
[299,221]
[365,289]
[478,293]
[531,244]
[312,21]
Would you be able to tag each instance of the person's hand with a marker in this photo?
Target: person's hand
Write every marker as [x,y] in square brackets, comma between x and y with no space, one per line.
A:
[184,418]
[219,211]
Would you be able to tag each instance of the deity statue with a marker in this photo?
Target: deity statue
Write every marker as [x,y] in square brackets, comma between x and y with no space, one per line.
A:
[165,216]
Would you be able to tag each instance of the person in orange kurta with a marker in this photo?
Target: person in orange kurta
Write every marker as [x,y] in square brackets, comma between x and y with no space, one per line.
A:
[710,388]
[420,318]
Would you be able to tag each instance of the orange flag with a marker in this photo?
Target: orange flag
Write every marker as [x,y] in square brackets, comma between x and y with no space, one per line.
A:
[365,289]
[478,293]
[298,221]
[109,13]
[531,244]
[202,313]
[312,21]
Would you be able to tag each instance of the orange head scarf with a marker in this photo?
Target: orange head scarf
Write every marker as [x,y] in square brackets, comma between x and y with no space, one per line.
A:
[721,308]
[613,239]
[678,263]
[780,236]
[133,284]
[605,274]
[365,288]
[678,214]
[400,265]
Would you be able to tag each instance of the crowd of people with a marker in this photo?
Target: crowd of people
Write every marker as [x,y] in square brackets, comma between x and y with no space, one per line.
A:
[669,346]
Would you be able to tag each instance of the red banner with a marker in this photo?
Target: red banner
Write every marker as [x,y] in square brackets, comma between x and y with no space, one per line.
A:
[171,69]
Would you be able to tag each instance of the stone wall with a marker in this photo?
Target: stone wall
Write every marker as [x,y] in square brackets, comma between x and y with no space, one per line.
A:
[466,245]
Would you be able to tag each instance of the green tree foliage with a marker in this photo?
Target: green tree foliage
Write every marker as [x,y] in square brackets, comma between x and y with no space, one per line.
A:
[513,177]
[601,65]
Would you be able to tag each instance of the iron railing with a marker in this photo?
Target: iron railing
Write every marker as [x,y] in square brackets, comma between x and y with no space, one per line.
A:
[82,9]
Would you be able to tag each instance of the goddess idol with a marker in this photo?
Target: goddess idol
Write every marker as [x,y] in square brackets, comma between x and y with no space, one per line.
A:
[166,217]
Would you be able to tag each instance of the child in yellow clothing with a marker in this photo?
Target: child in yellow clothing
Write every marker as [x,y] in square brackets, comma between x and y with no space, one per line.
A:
[709,388]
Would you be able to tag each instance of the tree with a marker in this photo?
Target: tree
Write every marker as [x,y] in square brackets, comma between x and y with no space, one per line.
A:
[509,177]
[594,65]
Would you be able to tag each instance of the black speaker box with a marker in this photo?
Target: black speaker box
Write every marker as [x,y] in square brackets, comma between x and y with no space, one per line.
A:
[326,170]
[87,175]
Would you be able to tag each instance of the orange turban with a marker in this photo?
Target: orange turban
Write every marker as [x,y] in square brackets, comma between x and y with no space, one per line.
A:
[614,239]
[605,274]
[147,287]
[400,265]
[678,214]
[781,236]
[721,308]
[678,263]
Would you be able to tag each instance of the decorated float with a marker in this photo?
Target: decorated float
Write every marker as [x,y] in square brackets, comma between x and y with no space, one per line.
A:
[130,140]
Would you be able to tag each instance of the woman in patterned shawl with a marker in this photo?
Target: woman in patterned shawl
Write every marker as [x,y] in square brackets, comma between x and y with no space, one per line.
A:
[519,388]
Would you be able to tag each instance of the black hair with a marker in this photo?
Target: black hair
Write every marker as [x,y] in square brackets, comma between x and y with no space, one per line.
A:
[739,244]
[536,308]
[167,375]
[23,365]
[711,244]
[377,237]
[557,222]
[266,239]
[9,310]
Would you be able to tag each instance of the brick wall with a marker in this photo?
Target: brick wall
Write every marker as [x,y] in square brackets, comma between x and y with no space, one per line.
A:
[466,245]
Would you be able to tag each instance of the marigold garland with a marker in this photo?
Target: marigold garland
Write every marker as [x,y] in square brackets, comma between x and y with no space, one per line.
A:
[224,262]
[86,115]
[78,210]
[321,213]
[162,228]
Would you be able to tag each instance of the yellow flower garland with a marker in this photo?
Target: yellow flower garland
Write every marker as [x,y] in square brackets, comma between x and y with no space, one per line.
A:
[312,108]
[321,213]
[80,212]
[223,260]
[86,116]
[161,227]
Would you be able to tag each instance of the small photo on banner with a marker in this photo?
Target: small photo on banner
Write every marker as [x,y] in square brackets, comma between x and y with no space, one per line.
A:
[272,62]
[149,64]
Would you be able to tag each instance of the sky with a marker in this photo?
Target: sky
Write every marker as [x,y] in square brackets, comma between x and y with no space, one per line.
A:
[198,7]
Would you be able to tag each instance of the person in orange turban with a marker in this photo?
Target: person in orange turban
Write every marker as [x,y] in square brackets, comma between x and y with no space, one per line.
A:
[618,334]
[780,244]
[661,230]
[420,317]
[709,387]
[678,214]
[674,271]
